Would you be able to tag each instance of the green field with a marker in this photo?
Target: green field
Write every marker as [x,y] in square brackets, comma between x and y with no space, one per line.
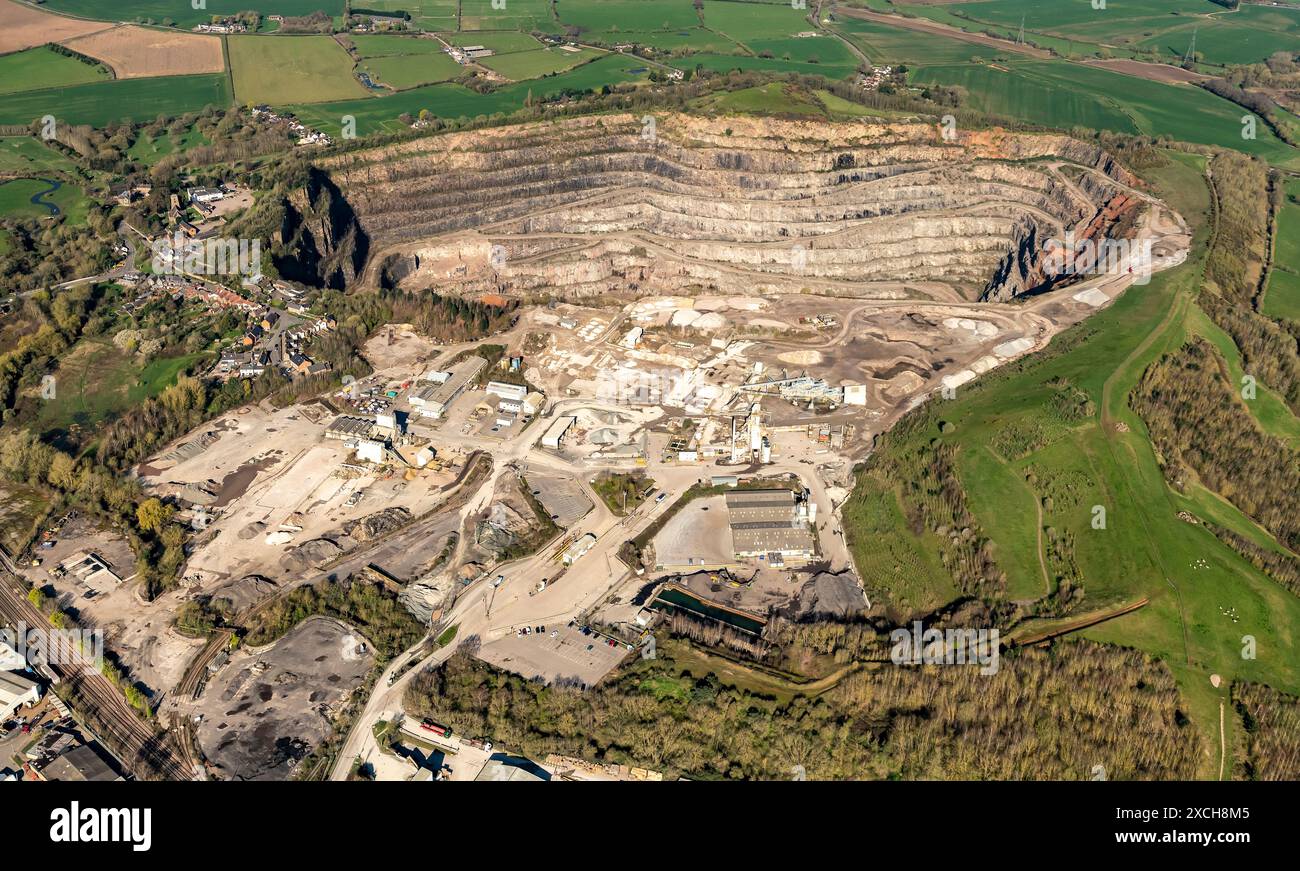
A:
[774,98]
[425,14]
[389,45]
[779,98]
[722,63]
[100,103]
[1282,297]
[278,70]
[412,70]
[455,101]
[149,150]
[894,45]
[1248,35]
[689,39]
[96,380]
[16,196]
[613,16]
[160,11]
[524,15]
[1063,94]
[746,21]
[402,62]
[501,42]
[542,62]
[42,64]
[26,155]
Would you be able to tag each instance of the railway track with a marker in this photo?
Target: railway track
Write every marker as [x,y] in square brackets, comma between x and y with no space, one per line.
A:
[149,754]
[191,680]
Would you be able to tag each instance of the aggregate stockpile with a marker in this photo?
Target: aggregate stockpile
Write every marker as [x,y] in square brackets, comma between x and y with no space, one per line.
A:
[590,207]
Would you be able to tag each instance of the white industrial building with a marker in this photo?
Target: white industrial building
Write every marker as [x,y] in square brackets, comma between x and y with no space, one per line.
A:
[555,434]
[855,394]
[632,338]
[370,451]
[432,400]
[575,551]
[513,392]
[15,692]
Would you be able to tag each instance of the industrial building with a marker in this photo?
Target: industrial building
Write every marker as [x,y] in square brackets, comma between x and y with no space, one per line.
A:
[16,691]
[771,524]
[556,433]
[575,551]
[513,392]
[347,427]
[432,400]
[804,388]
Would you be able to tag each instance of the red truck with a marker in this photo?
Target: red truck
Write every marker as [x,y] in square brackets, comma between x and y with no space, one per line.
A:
[436,728]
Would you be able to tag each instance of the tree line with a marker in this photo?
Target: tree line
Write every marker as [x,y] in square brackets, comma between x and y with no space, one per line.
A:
[1052,713]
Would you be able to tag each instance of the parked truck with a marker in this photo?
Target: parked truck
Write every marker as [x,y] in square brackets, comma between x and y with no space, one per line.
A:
[436,728]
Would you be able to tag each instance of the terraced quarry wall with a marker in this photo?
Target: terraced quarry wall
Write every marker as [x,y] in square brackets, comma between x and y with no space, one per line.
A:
[615,205]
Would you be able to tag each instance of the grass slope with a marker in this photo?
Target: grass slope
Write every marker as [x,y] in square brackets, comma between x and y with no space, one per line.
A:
[1146,550]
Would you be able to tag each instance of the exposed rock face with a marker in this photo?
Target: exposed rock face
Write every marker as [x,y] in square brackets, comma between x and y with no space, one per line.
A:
[380,523]
[592,207]
[319,241]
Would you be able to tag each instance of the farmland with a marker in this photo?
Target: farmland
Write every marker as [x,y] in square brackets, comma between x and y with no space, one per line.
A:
[425,14]
[291,69]
[134,52]
[47,66]
[1054,93]
[884,44]
[455,101]
[1073,27]
[1282,299]
[25,26]
[523,15]
[103,102]
[542,62]
[606,17]
[404,62]
[24,155]
[184,14]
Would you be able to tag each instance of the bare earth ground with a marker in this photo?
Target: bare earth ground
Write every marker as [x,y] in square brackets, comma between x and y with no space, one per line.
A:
[1154,72]
[265,708]
[137,52]
[23,27]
